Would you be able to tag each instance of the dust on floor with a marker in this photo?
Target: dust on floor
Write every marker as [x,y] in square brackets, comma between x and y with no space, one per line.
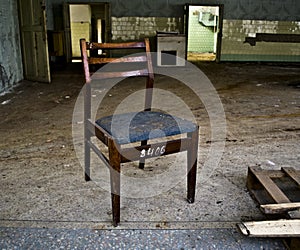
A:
[42,180]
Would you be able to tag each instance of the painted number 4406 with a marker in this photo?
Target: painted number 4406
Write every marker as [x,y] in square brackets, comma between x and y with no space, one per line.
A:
[153,151]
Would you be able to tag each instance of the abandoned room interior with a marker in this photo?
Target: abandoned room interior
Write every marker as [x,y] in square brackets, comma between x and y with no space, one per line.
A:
[231,67]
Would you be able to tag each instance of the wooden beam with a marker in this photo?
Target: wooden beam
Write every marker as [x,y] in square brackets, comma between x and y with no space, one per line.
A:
[279,208]
[128,45]
[99,60]
[276,228]
[123,74]
[293,174]
[273,190]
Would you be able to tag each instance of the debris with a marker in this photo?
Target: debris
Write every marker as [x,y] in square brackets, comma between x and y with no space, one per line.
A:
[279,208]
[264,188]
[5,102]
[271,163]
[67,97]
[272,228]
[98,90]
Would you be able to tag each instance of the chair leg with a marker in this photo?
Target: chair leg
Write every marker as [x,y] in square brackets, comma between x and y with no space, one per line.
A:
[115,169]
[142,161]
[87,160]
[87,133]
[192,154]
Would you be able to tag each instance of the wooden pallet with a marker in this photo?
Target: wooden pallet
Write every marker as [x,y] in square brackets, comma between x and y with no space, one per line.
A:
[274,186]
[278,193]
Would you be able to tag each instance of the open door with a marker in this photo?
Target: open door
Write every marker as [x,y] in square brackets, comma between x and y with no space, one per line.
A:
[34,40]
[203,28]
[91,21]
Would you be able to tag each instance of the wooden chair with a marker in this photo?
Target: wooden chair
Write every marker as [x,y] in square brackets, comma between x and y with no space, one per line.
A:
[140,127]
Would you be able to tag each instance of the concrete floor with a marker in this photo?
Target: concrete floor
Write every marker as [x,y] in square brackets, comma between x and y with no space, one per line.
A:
[42,184]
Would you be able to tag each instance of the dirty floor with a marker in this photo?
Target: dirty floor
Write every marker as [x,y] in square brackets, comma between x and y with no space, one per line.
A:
[42,184]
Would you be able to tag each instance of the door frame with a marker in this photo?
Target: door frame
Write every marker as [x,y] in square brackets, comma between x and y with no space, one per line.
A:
[220,25]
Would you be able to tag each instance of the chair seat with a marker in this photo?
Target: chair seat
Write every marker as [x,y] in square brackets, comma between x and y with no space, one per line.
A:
[145,125]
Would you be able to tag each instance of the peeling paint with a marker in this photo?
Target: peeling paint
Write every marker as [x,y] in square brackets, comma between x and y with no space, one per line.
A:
[11,70]
[3,78]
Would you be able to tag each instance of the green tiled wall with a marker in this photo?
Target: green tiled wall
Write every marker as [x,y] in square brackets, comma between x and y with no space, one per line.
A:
[234,33]
[234,48]
[201,38]
[136,28]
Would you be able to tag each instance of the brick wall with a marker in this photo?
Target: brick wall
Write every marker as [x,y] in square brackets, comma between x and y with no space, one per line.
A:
[136,28]
[235,32]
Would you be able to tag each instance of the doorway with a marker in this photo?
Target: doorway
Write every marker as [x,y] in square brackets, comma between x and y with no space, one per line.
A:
[90,21]
[81,27]
[203,30]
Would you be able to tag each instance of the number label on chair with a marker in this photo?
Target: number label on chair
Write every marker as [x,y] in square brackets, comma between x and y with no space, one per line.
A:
[153,152]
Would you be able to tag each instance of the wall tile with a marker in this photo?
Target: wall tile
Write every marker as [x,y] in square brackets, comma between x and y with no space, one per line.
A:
[235,31]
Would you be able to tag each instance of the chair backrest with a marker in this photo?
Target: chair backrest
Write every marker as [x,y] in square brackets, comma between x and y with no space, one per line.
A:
[140,59]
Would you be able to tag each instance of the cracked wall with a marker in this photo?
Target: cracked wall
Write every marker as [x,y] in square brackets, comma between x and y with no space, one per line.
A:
[11,70]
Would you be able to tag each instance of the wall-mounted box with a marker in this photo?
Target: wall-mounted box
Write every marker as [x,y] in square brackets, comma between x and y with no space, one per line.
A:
[171,50]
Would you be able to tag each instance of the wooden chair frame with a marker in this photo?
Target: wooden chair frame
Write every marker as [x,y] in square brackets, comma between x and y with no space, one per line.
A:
[116,153]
